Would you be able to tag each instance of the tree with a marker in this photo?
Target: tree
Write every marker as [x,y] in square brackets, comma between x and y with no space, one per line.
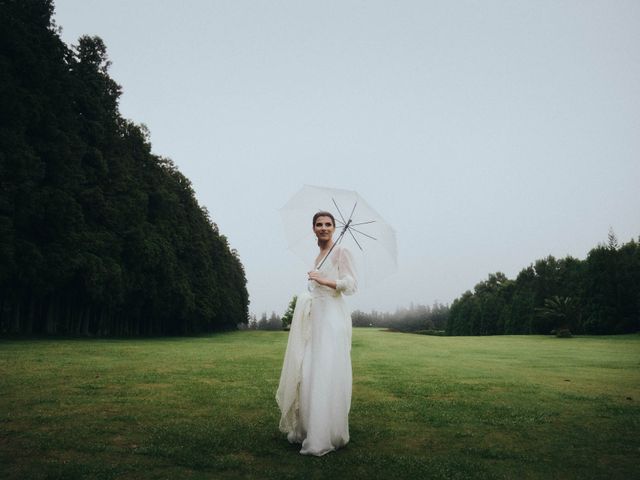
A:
[288,315]
[273,322]
[559,312]
[98,236]
[598,295]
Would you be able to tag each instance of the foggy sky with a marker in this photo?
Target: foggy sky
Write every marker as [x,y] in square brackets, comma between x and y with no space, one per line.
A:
[488,133]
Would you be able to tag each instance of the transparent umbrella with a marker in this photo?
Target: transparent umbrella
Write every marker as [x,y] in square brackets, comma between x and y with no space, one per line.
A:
[370,239]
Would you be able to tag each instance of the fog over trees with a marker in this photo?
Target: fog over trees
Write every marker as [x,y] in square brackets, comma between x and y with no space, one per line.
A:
[598,295]
[100,236]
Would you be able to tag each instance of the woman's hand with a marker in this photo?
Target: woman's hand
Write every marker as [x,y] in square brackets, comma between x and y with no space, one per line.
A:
[317,277]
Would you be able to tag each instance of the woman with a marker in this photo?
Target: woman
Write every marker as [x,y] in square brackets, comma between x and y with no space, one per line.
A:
[314,394]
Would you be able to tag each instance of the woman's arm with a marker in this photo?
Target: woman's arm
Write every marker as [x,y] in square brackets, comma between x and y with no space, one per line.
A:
[317,277]
[347,282]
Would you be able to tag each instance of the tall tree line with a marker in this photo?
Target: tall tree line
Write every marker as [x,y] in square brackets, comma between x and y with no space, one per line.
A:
[598,295]
[97,234]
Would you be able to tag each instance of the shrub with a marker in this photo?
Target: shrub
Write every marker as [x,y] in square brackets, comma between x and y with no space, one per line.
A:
[563,333]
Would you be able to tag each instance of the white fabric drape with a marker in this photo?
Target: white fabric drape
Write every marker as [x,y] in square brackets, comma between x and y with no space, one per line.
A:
[314,393]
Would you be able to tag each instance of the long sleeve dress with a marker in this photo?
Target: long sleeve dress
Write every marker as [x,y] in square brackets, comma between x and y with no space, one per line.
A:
[314,394]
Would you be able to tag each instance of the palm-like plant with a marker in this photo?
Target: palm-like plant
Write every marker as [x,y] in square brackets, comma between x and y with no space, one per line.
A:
[561,310]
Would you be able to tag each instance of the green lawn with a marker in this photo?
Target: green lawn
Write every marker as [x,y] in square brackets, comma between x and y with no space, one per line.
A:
[526,407]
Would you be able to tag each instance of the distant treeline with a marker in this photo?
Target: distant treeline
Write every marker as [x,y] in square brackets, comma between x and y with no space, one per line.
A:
[414,318]
[273,322]
[598,295]
[97,234]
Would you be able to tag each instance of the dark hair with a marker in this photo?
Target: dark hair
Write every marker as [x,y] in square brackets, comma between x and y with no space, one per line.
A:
[323,214]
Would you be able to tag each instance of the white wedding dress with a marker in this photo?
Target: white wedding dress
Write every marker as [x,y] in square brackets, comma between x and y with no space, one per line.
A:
[314,394]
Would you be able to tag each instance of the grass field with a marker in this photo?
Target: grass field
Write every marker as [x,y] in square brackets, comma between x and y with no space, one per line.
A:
[526,407]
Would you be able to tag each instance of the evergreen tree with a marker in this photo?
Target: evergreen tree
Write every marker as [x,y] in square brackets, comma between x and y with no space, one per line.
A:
[599,295]
[288,315]
[97,234]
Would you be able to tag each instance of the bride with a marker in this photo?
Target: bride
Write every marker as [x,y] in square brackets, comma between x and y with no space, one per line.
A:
[314,394]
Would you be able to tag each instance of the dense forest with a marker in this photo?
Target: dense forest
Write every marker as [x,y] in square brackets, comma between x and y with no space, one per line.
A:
[98,235]
[598,295]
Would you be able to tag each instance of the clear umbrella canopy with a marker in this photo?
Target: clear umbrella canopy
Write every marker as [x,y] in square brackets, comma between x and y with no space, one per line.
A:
[359,227]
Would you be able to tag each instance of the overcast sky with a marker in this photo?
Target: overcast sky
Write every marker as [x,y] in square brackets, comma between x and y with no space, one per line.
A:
[488,133]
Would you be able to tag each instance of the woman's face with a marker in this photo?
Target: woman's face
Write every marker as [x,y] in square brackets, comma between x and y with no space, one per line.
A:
[324,228]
